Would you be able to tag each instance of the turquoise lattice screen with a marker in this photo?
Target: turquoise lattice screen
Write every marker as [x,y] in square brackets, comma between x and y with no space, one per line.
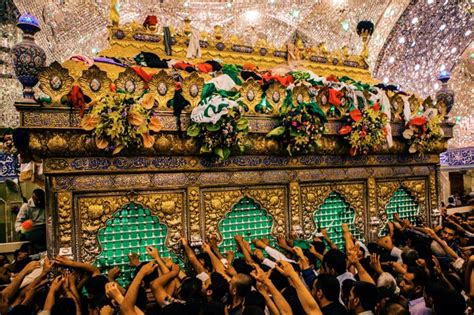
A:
[332,214]
[131,229]
[248,219]
[403,203]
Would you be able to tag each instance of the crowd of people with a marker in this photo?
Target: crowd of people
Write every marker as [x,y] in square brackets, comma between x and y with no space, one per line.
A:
[411,270]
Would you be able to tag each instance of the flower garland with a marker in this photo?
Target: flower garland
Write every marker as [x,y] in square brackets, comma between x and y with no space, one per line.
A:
[218,125]
[423,132]
[366,129]
[119,121]
[300,128]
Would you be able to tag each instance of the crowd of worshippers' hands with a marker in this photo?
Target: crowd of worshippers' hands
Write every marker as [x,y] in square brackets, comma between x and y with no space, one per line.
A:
[305,270]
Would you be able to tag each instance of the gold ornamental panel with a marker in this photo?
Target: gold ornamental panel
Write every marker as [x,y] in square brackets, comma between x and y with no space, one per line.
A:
[276,95]
[94,83]
[162,87]
[64,200]
[216,203]
[192,89]
[386,189]
[300,94]
[251,93]
[56,82]
[94,211]
[314,195]
[130,82]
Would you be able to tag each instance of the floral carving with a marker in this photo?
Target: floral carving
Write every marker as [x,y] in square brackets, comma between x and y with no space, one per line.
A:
[65,218]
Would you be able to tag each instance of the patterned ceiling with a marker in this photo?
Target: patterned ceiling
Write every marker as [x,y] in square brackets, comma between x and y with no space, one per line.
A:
[412,41]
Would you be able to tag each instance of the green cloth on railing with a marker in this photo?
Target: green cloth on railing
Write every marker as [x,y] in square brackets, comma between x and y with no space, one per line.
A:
[232,71]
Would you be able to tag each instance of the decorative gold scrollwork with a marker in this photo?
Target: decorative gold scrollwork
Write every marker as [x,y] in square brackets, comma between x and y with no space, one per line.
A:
[94,82]
[130,82]
[56,82]
[192,88]
[301,94]
[65,218]
[252,94]
[275,95]
[162,87]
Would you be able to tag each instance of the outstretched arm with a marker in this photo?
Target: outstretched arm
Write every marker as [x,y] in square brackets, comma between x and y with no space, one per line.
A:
[158,285]
[354,260]
[216,262]
[307,301]
[128,304]
[198,267]
[12,289]
[64,261]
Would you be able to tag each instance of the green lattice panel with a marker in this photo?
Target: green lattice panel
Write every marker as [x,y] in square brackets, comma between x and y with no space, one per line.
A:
[248,219]
[131,229]
[332,214]
[403,203]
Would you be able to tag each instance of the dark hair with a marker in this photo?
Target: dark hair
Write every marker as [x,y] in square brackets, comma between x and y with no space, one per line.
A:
[320,247]
[243,284]
[329,285]
[253,310]
[336,260]
[254,298]
[452,302]
[367,294]
[241,266]
[219,287]
[291,296]
[279,281]
[451,199]
[346,287]
[63,306]
[214,308]
[174,309]
[21,310]
[190,287]
[394,306]
[39,193]
[420,277]
[409,257]
[206,259]
[450,226]
[95,286]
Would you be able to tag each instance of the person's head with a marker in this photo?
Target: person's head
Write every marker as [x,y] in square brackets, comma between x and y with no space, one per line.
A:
[254,298]
[279,281]
[394,307]
[240,285]
[413,283]
[334,262]
[189,287]
[3,260]
[253,310]
[21,310]
[451,200]
[470,219]
[3,304]
[346,288]
[174,309]
[63,306]
[95,287]
[38,198]
[218,288]
[363,297]
[409,257]
[452,302]
[326,288]
[448,233]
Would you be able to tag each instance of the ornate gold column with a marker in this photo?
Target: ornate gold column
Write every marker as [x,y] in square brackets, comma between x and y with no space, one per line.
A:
[296,219]
[195,225]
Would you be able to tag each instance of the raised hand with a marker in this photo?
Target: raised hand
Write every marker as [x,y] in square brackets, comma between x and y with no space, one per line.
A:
[285,268]
[259,274]
[134,259]
[148,268]
[258,253]
[31,266]
[113,292]
[259,243]
[63,261]
[206,248]
[352,254]
[152,251]
[113,273]
[57,283]
[375,263]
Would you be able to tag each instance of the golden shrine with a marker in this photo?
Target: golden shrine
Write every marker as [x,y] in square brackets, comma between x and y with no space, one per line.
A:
[191,194]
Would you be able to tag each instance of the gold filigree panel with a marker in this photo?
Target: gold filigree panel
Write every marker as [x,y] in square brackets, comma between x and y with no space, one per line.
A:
[194,210]
[313,196]
[94,82]
[162,87]
[386,189]
[295,205]
[251,92]
[64,200]
[95,211]
[56,82]
[192,89]
[433,190]
[217,203]
[130,82]
[275,95]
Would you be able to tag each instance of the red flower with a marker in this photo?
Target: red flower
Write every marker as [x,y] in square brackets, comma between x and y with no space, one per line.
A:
[294,123]
[335,97]
[363,133]
[376,106]
[332,78]
[113,88]
[356,114]
[418,121]
[345,130]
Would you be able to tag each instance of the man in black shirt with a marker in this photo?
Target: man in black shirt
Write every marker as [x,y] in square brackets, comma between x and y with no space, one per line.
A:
[326,290]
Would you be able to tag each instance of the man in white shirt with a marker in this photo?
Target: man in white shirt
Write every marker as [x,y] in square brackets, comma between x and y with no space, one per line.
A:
[412,287]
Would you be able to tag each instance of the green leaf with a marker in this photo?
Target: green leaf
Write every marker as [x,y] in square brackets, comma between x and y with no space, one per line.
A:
[226,153]
[242,124]
[194,130]
[220,153]
[278,131]
[205,149]
[215,127]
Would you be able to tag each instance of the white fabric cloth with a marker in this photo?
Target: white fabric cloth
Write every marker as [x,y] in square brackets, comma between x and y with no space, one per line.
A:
[275,254]
[269,263]
[223,82]
[203,276]
[211,110]
[396,252]
[194,49]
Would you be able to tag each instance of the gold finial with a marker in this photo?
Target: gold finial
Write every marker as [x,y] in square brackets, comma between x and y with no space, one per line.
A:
[114,15]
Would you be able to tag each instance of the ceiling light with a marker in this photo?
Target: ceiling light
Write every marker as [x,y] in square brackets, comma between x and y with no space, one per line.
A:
[417,67]
[453,50]
[442,27]
[391,59]
[436,86]
[252,15]
[430,1]
[345,25]
[402,40]
[414,20]
[442,68]
[385,80]
[295,13]
[229,5]
[468,32]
